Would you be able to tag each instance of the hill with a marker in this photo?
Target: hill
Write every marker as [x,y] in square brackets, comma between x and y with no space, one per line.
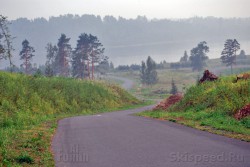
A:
[212,106]
[31,105]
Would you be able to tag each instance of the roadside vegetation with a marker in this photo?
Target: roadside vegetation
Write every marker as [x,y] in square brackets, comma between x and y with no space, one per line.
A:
[211,106]
[182,74]
[31,105]
[183,78]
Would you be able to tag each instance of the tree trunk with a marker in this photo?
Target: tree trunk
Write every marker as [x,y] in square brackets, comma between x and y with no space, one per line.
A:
[88,70]
[26,71]
[92,70]
[26,63]
[235,57]
[82,72]
[62,70]
[92,61]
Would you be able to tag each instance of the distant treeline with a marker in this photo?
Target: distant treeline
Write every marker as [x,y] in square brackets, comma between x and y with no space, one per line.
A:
[128,37]
[241,59]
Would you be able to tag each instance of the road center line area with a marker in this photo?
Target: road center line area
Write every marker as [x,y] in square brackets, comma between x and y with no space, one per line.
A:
[120,139]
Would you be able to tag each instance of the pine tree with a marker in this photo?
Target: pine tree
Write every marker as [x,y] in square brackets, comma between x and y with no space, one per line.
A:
[96,52]
[26,55]
[174,89]
[143,72]
[236,47]
[80,56]
[88,52]
[242,55]
[148,72]
[198,56]
[51,54]
[228,57]
[48,70]
[38,73]
[184,59]
[151,72]
[111,66]
[62,57]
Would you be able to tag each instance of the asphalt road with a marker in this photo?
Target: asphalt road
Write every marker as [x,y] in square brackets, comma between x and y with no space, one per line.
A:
[120,139]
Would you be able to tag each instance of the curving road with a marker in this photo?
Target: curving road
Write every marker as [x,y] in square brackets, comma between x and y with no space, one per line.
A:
[120,139]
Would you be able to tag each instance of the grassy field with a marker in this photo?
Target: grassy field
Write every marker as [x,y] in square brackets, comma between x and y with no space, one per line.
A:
[31,106]
[211,106]
[183,78]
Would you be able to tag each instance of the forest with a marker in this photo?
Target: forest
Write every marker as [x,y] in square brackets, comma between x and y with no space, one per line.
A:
[126,39]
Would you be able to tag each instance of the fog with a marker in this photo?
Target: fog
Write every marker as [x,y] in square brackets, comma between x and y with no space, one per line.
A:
[129,41]
[126,8]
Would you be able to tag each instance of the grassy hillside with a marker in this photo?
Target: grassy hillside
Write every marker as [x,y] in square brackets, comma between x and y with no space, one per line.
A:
[30,107]
[211,106]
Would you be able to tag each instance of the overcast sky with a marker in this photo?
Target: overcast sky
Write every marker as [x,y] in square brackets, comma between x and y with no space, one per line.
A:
[126,8]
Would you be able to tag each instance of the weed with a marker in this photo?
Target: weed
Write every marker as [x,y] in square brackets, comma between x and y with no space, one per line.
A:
[24,158]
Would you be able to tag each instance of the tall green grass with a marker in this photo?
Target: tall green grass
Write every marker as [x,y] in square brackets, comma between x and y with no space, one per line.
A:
[30,105]
[212,104]
[224,95]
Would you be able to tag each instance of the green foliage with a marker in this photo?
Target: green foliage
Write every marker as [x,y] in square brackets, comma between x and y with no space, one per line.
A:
[88,50]
[24,158]
[242,55]
[219,100]
[148,72]
[111,66]
[212,104]
[228,55]
[184,59]
[50,63]
[246,122]
[48,70]
[27,102]
[222,95]
[26,55]
[174,88]
[198,56]
[38,73]
[143,72]
[62,56]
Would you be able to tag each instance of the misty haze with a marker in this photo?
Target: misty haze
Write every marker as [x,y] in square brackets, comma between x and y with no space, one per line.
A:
[129,41]
[125,83]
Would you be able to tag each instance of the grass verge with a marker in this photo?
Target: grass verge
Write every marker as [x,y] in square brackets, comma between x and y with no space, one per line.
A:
[211,107]
[31,106]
